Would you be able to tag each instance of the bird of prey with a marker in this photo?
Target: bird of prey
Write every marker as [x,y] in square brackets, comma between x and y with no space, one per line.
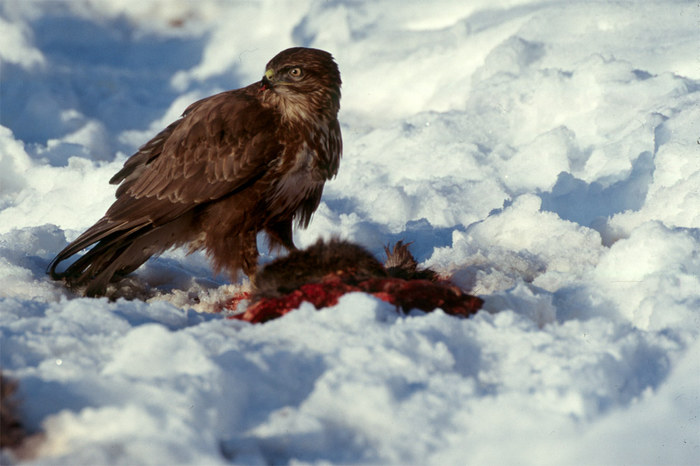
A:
[235,164]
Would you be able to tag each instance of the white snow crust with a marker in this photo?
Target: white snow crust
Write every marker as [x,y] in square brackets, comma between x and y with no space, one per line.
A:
[546,154]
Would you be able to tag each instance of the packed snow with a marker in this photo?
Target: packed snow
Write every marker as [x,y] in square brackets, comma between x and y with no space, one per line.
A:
[543,154]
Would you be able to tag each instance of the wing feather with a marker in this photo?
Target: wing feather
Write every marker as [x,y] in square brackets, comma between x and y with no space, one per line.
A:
[227,140]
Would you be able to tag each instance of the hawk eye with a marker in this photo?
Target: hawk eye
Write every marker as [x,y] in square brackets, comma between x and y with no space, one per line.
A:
[295,72]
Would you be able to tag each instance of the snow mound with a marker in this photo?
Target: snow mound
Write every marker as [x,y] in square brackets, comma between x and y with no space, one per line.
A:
[544,155]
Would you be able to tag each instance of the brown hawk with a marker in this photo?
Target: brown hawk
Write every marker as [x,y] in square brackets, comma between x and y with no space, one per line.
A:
[235,164]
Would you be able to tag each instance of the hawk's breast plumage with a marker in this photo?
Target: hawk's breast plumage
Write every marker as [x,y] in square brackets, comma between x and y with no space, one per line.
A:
[237,163]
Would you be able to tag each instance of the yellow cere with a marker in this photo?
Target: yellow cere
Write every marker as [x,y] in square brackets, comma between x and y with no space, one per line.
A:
[269,73]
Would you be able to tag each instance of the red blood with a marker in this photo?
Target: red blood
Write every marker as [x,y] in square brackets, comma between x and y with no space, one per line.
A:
[404,294]
[235,300]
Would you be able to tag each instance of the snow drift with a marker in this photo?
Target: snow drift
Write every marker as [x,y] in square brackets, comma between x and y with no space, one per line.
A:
[545,155]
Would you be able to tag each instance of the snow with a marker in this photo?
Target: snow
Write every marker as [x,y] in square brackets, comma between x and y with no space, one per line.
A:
[544,154]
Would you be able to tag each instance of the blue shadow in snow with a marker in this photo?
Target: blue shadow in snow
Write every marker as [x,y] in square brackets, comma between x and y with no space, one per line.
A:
[424,238]
[585,203]
[108,71]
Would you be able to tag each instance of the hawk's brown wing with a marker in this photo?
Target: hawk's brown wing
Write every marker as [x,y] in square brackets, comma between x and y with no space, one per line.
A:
[221,145]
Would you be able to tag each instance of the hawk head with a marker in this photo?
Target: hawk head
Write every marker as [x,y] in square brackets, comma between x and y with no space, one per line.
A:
[303,83]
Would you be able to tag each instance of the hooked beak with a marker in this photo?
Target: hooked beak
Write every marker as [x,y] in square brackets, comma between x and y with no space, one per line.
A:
[266,83]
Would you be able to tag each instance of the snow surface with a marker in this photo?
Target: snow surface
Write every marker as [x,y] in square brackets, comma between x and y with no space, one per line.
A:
[544,153]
